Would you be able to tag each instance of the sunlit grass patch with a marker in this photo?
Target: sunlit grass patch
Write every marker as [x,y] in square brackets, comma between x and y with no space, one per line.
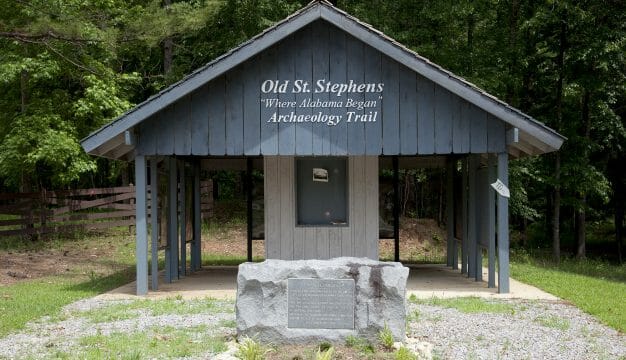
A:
[595,287]
[174,306]
[554,322]
[156,342]
[226,260]
[228,323]
[468,304]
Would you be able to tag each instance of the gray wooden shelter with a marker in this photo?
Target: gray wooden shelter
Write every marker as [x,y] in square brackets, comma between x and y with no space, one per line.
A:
[321,91]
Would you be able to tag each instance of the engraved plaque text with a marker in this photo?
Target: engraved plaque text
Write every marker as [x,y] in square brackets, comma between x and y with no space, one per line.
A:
[320,303]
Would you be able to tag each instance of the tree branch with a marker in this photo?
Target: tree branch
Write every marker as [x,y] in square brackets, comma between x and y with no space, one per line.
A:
[24,37]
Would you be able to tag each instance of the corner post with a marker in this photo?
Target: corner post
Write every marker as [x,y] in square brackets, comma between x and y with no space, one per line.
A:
[503,226]
[154,219]
[141,227]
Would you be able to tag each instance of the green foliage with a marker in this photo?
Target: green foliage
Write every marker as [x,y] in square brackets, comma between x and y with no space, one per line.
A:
[361,344]
[167,342]
[404,354]
[250,349]
[69,67]
[385,336]
[554,322]
[327,354]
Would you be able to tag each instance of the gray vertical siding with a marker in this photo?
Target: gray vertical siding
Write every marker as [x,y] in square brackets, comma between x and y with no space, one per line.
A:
[227,116]
[285,240]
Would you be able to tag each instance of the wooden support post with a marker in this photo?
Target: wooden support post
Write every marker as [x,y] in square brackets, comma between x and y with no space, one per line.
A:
[471,218]
[196,250]
[168,244]
[154,219]
[491,220]
[450,212]
[503,226]
[479,217]
[464,199]
[182,219]
[172,226]
[396,209]
[141,226]
[249,207]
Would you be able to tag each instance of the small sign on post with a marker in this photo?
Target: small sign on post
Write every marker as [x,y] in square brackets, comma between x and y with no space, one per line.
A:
[501,188]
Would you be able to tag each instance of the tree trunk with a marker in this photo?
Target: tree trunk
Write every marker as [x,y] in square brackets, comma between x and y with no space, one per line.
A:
[168,45]
[470,41]
[556,210]
[619,229]
[581,229]
[513,28]
[440,214]
[581,211]
[24,90]
[556,219]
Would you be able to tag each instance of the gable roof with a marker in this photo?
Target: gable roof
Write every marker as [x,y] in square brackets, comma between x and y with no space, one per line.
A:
[534,136]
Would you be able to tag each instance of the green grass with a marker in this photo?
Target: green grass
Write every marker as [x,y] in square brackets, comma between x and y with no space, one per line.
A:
[228,324]
[228,260]
[26,301]
[595,287]
[554,322]
[157,342]
[124,310]
[467,304]
[360,344]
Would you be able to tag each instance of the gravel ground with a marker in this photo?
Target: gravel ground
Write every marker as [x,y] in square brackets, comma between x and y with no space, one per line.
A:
[534,330]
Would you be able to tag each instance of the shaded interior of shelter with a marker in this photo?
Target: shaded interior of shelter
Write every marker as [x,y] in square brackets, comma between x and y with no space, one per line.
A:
[251,169]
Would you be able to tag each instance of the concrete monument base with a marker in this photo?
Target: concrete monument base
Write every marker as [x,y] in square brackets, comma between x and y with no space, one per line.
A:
[282,302]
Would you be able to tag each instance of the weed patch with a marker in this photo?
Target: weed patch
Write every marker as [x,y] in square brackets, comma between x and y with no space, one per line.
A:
[174,306]
[155,342]
[467,305]
[554,322]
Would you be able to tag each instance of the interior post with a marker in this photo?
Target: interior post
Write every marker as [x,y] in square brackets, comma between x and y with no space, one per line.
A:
[396,209]
[141,227]
[154,222]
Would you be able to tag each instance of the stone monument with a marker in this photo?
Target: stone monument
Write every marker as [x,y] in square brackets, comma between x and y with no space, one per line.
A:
[282,302]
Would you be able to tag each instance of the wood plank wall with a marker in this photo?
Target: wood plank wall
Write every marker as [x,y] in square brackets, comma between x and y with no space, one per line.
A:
[285,240]
[227,117]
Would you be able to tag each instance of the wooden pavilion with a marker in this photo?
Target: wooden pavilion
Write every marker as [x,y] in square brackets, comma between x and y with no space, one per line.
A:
[320,102]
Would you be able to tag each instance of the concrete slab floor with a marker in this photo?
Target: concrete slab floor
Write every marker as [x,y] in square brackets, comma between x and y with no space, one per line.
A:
[424,281]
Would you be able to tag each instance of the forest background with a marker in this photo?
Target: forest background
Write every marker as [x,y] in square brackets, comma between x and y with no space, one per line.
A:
[68,67]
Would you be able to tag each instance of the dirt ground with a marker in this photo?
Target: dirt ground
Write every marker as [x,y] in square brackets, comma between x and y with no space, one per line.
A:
[420,241]
[94,254]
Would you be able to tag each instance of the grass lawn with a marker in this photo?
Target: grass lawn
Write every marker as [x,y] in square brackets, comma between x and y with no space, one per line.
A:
[31,299]
[594,286]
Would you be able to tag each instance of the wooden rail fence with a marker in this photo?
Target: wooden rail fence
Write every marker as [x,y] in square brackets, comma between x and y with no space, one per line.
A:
[46,212]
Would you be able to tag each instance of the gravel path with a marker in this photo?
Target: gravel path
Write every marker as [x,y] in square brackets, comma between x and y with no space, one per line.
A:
[529,330]
[533,330]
